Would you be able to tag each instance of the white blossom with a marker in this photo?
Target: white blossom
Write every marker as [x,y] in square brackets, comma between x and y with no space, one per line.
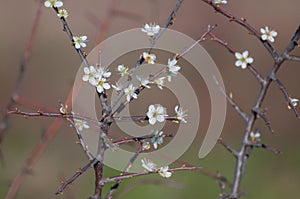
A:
[160,82]
[163,171]
[149,58]
[157,139]
[79,41]
[130,92]
[149,165]
[243,60]
[53,3]
[101,84]
[180,114]
[218,2]
[151,29]
[157,113]
[172,69]
[62,13]
[117,87]
[80,124]
[146,146]
[268,34]
[145,82]
[122,70]
[294,102]
[255,137]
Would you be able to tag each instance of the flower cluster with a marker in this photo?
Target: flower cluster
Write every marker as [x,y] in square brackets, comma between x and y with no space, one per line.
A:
[152,167]
[97,77]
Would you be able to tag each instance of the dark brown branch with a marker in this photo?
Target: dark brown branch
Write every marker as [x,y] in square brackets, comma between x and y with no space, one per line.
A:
[229,148]
[75,176]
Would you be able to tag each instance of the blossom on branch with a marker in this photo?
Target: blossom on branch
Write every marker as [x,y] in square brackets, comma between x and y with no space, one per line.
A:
[157,113]
[160,82]
[62,13]
[151,29]
[172,69]
[53,3]
[130,92]
[180,114]
[163,171]
[149,58]
[149,165]
[255,137]
[80,124]
[243,60]
[294,102]
[122,70]
[79,41]
[219,2]
[268,34]
[157,139]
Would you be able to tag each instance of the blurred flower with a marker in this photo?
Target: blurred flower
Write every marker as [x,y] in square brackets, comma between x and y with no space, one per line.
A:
[53,3]
[160,82]
[148,165]
[294,102]
[130,92]
[172,69]
[143,81]
[151,29]
[117,87]
[255,137]
[243,59]
[149,58]
[218,2]
[157,139]
[157,113]
[268,34]
[163,171]
[80,124]
[180,114]
[146,146]
[122,70]
[62,13]
[79,41]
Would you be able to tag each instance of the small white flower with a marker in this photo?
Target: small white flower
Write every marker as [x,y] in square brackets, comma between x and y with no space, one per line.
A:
[80,124]
[172,69]
[101,84]
[157,139]
[243,60]
[53,3]
[268,34]
[160,82]
[180,114]
[149,58]
[123,70]
[79,41]
[146,146]
[63,109]
[130,92]
[151,29]
[255,137]
[117,87]
[157,113]
[103,73]
[148,165]
[143,81]
[218,2]
[163,171]
[62,13]
[294,102]
[90,74]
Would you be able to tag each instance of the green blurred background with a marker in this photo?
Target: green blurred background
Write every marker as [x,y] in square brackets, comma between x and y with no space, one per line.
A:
[53,65]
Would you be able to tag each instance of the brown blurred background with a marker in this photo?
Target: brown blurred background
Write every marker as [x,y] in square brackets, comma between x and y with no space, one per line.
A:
[53,65]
